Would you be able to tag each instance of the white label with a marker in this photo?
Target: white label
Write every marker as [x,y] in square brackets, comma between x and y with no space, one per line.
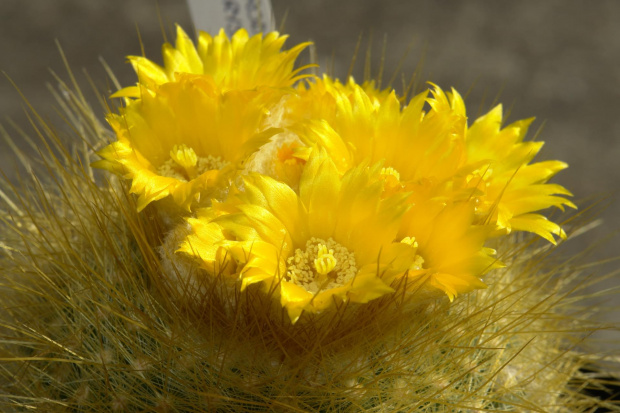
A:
[256,16]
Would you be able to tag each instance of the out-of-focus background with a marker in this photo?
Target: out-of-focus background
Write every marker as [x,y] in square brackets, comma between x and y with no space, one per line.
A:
[557,60]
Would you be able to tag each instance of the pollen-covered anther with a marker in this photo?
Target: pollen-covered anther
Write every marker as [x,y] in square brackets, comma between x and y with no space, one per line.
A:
[321,265]
[417,263]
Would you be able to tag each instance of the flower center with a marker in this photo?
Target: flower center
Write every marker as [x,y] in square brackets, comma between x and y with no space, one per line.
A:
[288,165]
[390,173]
[321,265]
[185,165]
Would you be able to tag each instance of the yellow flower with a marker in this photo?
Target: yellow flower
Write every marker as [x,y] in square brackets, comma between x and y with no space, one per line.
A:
[432,153]
[421,149]
[188,125]
[239,63]
[340,239]
[185,136]
[511,188]
[449,246]
[332,242]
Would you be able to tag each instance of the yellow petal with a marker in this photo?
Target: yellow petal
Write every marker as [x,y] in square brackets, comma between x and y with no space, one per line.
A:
[149,73]
[294,298]
[367,286]
[538,224]
[318,190]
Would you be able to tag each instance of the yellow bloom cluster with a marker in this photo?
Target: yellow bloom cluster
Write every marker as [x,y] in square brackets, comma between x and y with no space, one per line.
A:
[322,192]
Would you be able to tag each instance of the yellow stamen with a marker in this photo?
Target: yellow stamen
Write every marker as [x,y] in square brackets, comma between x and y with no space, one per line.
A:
[387,172]
[186,158]
[322,264]
[418,261]
[325,261]
[410,241]
[417,264]
[391,178]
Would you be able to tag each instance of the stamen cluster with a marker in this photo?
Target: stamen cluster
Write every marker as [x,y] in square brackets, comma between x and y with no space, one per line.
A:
[322,265]
[184,165]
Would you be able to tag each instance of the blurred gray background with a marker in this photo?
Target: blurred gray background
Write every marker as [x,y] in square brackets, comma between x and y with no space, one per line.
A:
[554,59]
